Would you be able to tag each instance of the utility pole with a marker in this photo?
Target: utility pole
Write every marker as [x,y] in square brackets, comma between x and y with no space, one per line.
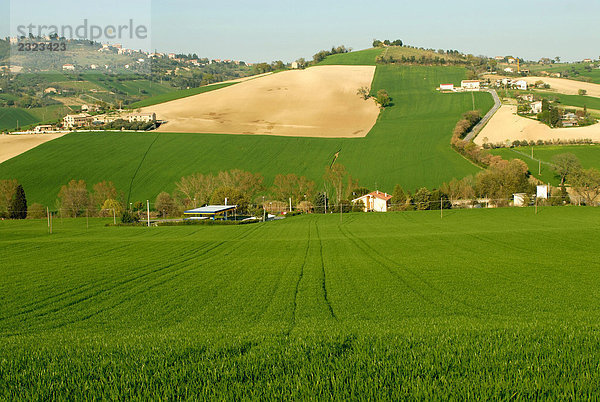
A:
[290,204]
[48,216]
[540,169]
[87,219]
[325,198]
[531,152]
[114,216]
[148,210]
[441,208]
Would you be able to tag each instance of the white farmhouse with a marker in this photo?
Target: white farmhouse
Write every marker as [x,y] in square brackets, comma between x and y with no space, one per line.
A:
[375,201]
[536,107]
[520,84]
[509,70]
[446,87]
[470,85]
[68,67]
[295,65]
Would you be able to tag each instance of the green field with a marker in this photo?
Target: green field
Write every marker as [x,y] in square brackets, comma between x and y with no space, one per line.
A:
[589,155]
[409,145]
[483,304]
[183,93]
[11,116]
[358,58]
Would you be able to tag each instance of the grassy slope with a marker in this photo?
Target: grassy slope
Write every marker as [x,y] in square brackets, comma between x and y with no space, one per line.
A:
[184,93]
[589,155]
[359,58]
[9,117]
[382,306]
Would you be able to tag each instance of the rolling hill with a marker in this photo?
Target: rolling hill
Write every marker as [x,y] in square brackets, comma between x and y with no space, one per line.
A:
[409,145]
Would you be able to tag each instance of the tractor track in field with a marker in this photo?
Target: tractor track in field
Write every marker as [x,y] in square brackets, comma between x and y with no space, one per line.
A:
[324,278]
[139,166]
[66,293]
[390,264]
[300,276]
[367,253]
[164,270]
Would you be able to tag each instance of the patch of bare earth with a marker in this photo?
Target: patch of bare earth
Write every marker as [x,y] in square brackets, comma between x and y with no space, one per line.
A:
[317,102]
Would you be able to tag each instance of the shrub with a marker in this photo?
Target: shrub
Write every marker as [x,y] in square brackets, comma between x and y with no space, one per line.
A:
[128,217]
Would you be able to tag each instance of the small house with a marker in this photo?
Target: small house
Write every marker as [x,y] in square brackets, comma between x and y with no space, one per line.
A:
[446,87]
[536,107]
[374,202]
[470,85]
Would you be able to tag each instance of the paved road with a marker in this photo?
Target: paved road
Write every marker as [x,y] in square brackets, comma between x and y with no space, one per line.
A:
[479,126]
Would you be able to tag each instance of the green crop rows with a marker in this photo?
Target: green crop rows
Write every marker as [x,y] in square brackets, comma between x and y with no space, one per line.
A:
[409,145]
[483,304]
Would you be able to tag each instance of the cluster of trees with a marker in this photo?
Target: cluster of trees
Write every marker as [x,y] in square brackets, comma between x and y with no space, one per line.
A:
[584,182]
[525,143]
[423,60]
[320,56]
[382,98]
[75,200]
[387,42]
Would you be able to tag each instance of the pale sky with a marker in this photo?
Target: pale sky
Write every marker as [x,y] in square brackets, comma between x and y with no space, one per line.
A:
[269,30]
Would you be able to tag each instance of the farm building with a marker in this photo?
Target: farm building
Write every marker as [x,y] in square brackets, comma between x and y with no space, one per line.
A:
[470,85]
[375,201]
[68,67]
[210,212]
[536,107]
[509,70]
[520,84]
[295,65]
[77,120]
[446,87]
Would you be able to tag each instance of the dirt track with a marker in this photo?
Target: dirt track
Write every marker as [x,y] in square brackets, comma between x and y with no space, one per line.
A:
[506,125]
[13,145]
[316,102]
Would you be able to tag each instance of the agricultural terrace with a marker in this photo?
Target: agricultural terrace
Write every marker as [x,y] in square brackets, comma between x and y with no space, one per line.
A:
[379,305]
[409,145]
[588,155]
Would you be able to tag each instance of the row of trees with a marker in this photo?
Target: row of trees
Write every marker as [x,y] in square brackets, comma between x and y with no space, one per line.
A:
[320,56]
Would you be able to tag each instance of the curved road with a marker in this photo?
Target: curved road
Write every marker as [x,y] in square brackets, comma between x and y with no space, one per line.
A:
[479,126]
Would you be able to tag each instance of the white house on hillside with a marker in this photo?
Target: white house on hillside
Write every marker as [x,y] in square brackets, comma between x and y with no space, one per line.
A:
[520,84]
[446,87]
[375,201]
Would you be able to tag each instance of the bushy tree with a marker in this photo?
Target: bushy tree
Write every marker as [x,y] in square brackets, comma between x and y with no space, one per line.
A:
[383,98]
[111,207]
[422,199]
[586,184]
[564,165]
[7,192]
[73,197]
[503,179]
[165,205]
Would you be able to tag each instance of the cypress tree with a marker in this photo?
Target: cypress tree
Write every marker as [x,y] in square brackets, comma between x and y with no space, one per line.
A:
[18,204]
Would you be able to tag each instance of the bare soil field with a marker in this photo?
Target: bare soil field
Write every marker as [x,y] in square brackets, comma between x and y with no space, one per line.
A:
[13,145]
[316,102]
[506,125]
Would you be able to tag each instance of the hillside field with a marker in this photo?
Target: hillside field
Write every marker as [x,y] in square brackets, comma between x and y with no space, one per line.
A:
[409,145]
[380,306]
[589,156]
